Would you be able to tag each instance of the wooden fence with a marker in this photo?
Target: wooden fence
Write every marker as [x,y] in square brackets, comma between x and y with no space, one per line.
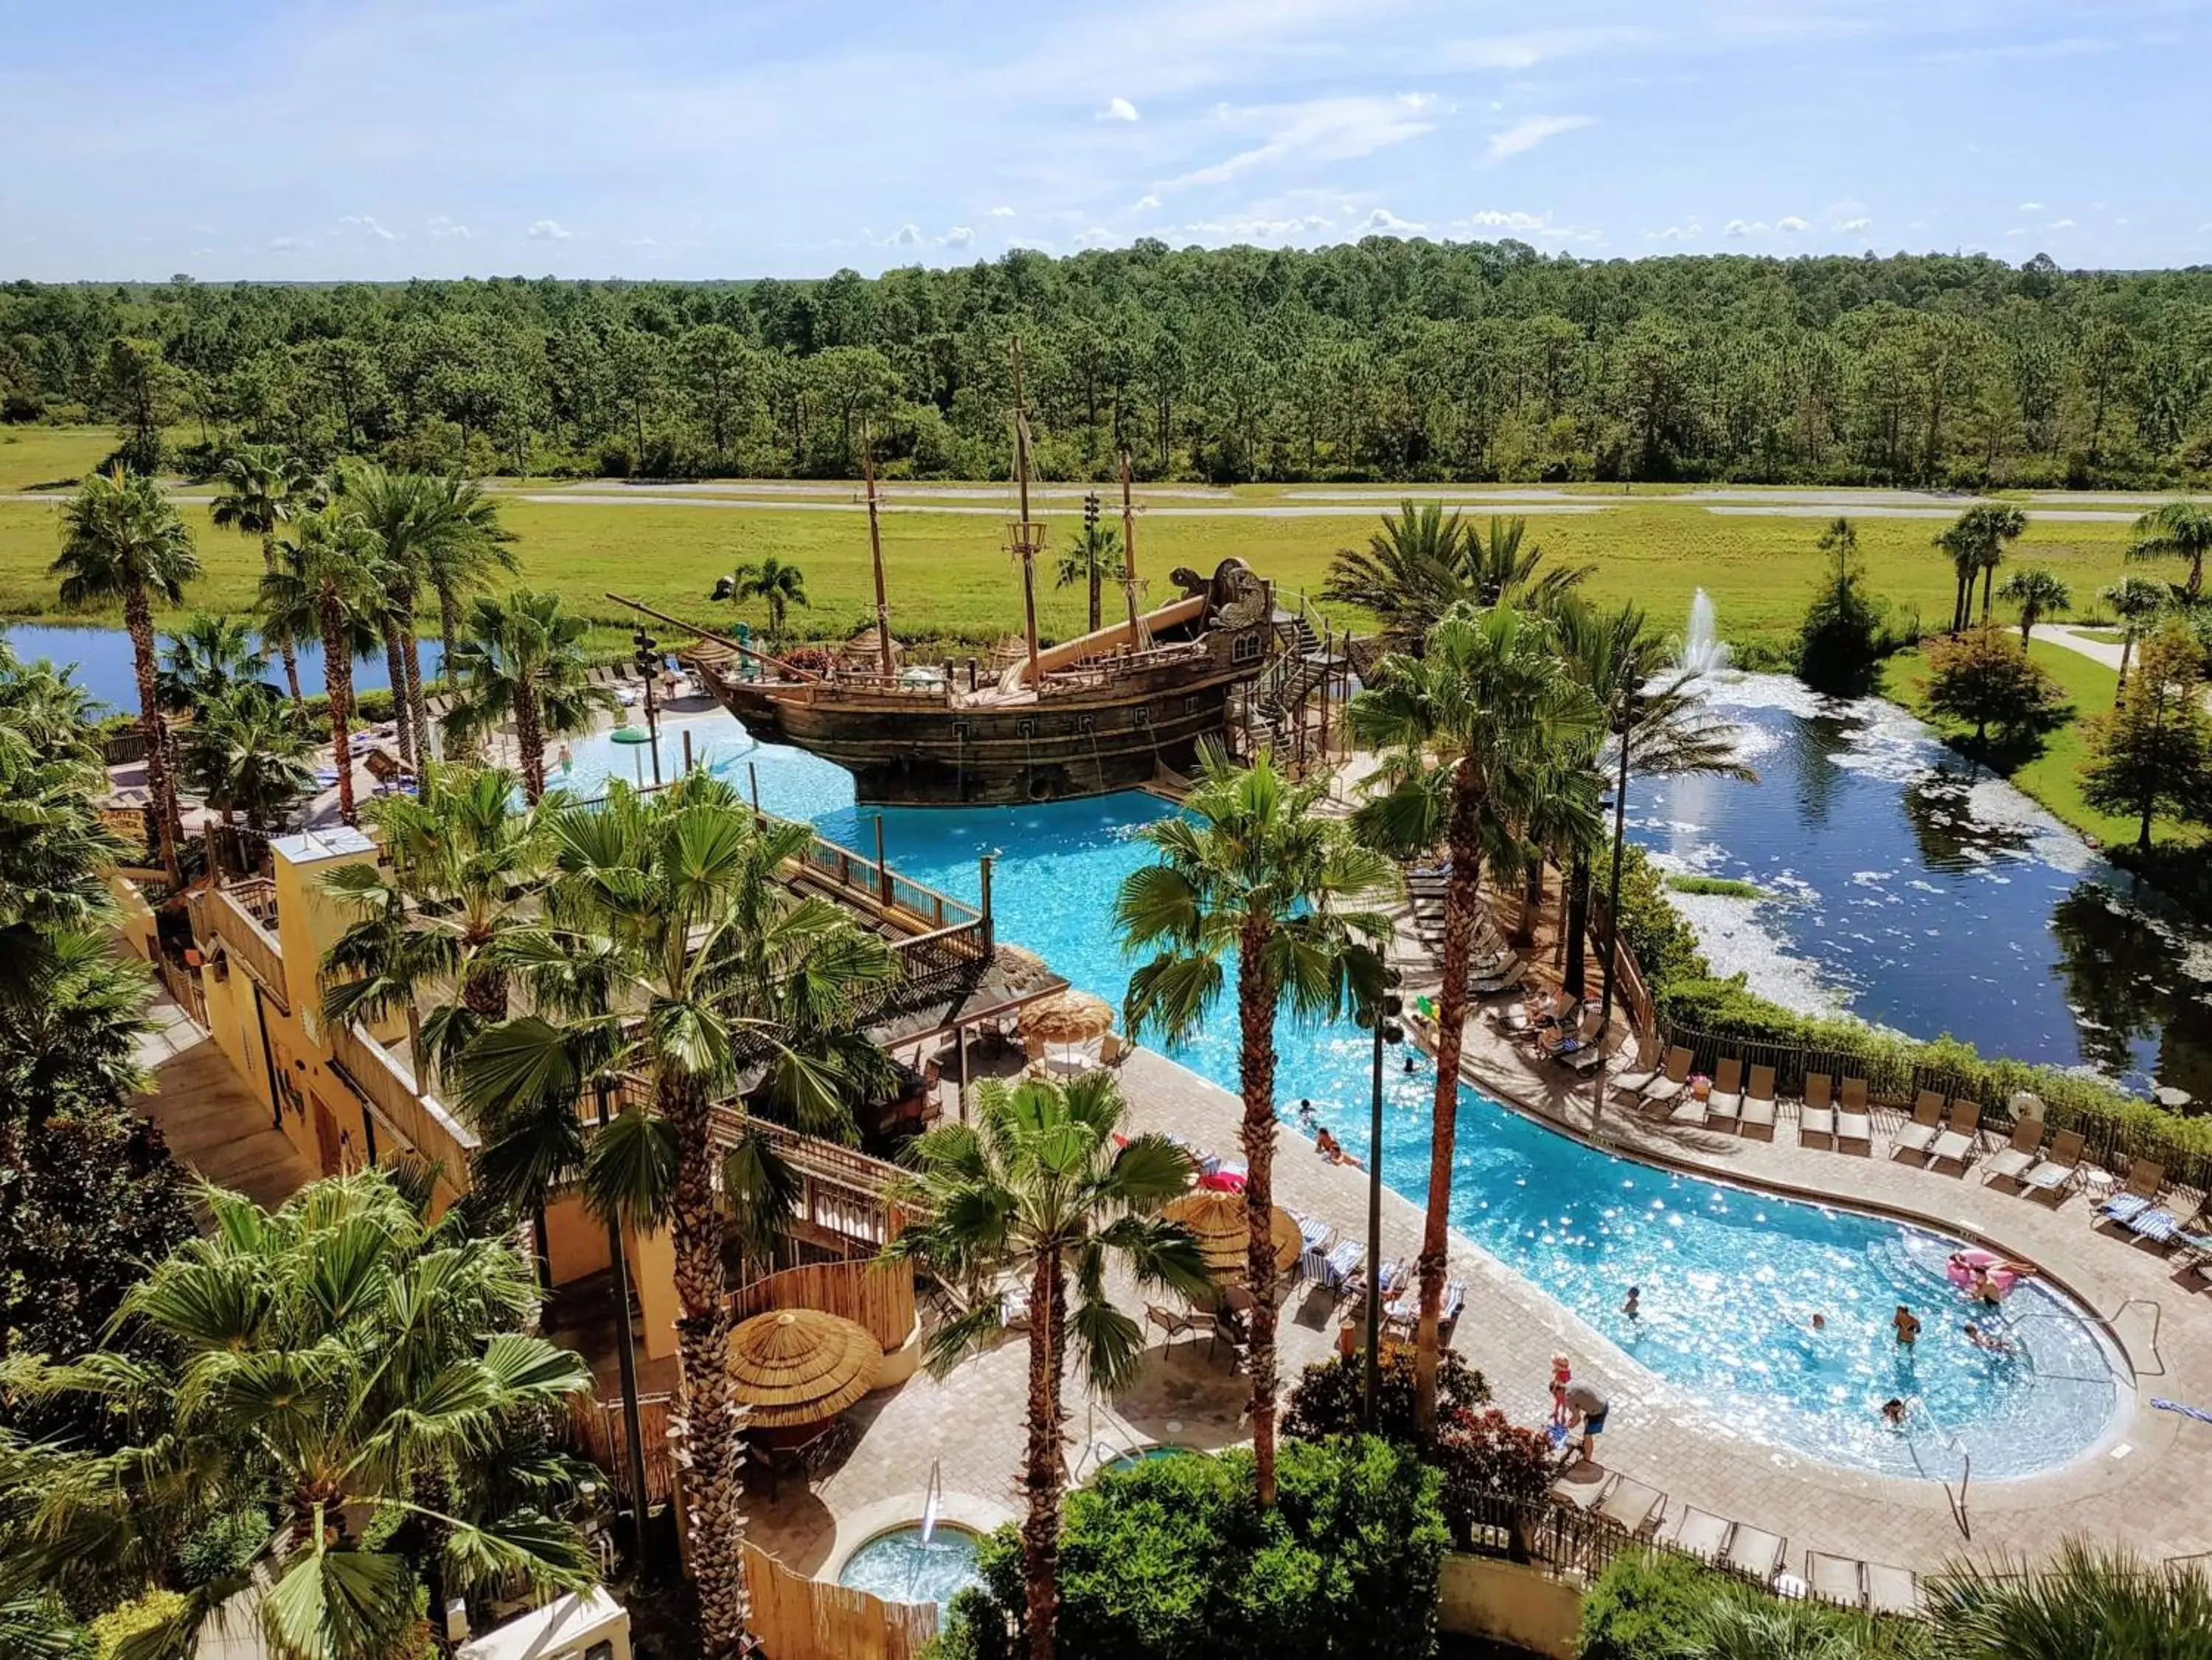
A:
[796,1618]
[182,985]
[878,1297]
[599,1434]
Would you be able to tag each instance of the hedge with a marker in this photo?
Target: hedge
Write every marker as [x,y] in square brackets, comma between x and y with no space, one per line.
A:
[1711,1015]
[1657,1605]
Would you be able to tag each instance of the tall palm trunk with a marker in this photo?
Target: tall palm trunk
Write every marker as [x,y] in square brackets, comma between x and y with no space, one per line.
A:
[449,624]
[707,1446]
[410,650]
[338,682]
[2127,647]
[530,740]
[1575,924]
[284,646]
[1532,903]
[1462,900]
[395,670]
[1255,1075]
[1988,577]
[168,830]
[1042,1475]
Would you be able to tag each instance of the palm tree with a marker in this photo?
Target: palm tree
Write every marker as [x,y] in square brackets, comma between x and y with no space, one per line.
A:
[524,661]
[1250,875]
[774,583]
[1012,1206]
[2179,530]
[1094,553]
[208,658]
[1491,698]
[670,947]
[264,489]
[1423,561]
[329,583]
[373,1390]
[2037,593]
[247,753]
[51,859]
[461,544]
[2086,1600]
[122,540]
[462,862]
[2136,602]
[1976,542]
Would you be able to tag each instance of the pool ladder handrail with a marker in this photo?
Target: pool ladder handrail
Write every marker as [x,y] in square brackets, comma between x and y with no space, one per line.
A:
[1957,1501]
[2157,1324]
[933,1500]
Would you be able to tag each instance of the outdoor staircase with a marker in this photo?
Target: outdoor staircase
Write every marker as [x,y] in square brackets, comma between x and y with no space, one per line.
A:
[1298,668]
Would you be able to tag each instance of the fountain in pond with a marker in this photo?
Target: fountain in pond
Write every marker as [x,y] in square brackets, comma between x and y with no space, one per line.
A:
[1703,649]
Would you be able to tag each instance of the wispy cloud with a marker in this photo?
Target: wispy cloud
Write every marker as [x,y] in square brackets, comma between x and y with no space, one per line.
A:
[1323,130]
[1688,231]
[1526,51]
[1002,212]
[1145,203]
[960,236]
[1118,109]
[1383,222]
[1853,226]
[1791,224]
[444,229]
[367,222]
[1736,229]
[548,230]
[1524,135]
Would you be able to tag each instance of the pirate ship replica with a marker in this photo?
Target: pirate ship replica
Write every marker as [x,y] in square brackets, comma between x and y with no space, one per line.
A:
[1117,709]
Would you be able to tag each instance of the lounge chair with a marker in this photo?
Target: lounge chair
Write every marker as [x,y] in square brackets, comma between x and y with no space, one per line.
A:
[1956,1145]
[2163,1227]
[1631,1504]
[2054,1172]
[1724,1104]
[1341,1265]
[2014,1161]
[1632,1083]
[1837,1578]
[1854,1123]
[1591,1051]
[2125,1208]
[2146,1177]
[1754,1551]
[1584,1495]
[1696,1532]
[1171,1325]
[1758,1104]
[1671,1083]
[1927,1124]
[1893,1591]
[1816,1120]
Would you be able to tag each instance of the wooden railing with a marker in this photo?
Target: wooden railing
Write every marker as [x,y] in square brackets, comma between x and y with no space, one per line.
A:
[434,1133]
[182,985]
[877,1296]
[243,917]
[842,1192]
[797,1618]
[598,1425]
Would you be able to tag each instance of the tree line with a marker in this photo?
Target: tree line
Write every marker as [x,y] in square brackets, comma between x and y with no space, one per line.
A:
[1384,359]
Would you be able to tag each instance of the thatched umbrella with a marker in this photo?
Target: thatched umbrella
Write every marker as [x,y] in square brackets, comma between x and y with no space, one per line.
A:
[1224,1237]
[800,1366]
[1067,1017]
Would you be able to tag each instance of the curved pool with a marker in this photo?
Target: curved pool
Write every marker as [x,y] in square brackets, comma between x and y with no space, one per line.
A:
[900,1568]
[1729,1278]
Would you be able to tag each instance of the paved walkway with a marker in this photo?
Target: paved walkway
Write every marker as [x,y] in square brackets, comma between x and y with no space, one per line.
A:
[2073,640]
[210,1120]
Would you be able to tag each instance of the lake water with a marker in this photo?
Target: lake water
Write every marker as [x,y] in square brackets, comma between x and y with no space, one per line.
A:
[1919,892]
[106,669]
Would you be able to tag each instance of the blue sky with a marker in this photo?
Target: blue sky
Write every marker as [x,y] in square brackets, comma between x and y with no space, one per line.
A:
[384,140]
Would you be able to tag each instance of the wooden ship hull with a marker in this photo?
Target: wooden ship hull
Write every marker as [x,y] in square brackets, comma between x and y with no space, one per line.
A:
[1113,711]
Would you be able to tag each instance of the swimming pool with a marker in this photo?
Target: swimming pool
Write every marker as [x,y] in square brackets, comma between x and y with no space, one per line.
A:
[899,1567]
[1729,1279]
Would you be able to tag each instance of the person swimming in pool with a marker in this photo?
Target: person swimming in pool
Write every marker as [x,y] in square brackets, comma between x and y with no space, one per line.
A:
[1907,1324]
[1820,1321]
[1633,1308]
[1987,1342]
[1306,1114]
[1893,1413]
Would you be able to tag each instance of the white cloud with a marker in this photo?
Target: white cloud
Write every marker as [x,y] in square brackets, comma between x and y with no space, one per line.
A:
[1856,224]
[1257,229]
[959,236]
[1792,224]
[1491,220]
[1687,231]
[1739,228]
[1002,212]
[905,236]
[1145,203]
[1118,109]
[367,222]
[2030,207]
[2060,225]
[443,228]
[1523,52]
[1034,244]
[1322,130]
[547,230]
[1383,222]
[286,244]
[1524,135]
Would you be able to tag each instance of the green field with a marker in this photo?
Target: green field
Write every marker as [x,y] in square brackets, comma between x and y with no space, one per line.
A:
[950,578]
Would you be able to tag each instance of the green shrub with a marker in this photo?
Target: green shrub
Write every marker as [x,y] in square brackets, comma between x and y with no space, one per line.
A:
[1646,1605]
[1654,1605]
[1726,888]
[1172,1558]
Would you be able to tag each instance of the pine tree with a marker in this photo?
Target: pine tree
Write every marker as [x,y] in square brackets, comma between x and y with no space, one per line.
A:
[2153,753]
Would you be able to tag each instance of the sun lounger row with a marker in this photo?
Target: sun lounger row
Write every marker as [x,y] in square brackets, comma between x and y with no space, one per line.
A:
[1873,1586]
[1938,1140]
[1825,1121]
[1636,1509]
[1732,1102]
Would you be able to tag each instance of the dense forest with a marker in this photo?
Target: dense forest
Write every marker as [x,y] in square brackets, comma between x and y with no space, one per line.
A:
[1383,361]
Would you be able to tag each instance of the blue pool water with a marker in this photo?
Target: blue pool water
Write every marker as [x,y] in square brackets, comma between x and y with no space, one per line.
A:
[1729,1279]
[899,1567]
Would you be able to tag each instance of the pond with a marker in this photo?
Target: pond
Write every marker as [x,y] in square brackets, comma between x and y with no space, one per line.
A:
[1908,888]
[106,669]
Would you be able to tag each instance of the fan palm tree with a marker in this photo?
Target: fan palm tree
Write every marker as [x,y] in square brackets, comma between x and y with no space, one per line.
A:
[1488,703]
[335,1363]
[54,847]
[2179,530]
[208,657]
[264,489]
[1012,1207]
[1094,553]
[329,583]
[2086,1601]
[1250,878]
[2136,602]
[1423,561]
[1976,542]
[460,543]
[705,973]
[122,540]
[246,754]
[524,661]
[774,583]
[462,863]
[2037,593]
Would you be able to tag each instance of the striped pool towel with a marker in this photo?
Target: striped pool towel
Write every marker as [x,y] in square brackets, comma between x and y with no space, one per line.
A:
[2198,1413]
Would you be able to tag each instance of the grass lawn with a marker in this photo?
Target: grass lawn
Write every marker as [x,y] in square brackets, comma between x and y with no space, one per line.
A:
[33,456]
[2053,777]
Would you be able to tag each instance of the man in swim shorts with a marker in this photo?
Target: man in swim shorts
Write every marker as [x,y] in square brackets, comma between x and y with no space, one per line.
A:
[1908,1327]
[1590,1407]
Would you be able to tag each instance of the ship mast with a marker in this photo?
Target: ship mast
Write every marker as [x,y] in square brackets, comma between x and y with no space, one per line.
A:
[1025,533]
[1137,641]
[876,552]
